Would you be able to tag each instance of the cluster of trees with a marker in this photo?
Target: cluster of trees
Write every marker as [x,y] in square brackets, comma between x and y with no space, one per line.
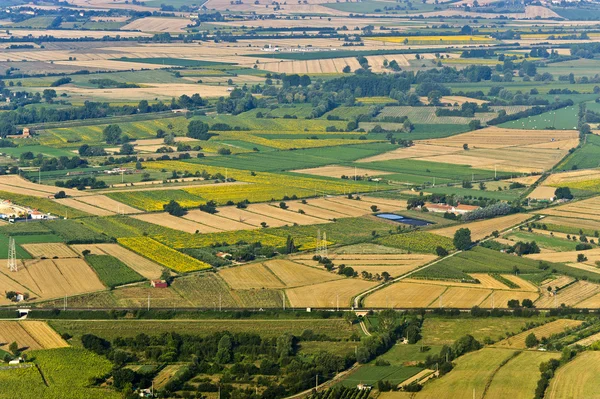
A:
[236,358]
[490,211]
[46,164]
[81,183]
[443,360]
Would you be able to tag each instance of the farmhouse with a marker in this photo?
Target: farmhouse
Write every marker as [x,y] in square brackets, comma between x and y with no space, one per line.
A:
[459,209]
[159,284]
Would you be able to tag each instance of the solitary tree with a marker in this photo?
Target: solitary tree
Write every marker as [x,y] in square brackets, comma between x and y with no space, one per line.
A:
[174,209]
[531,341]
[462,239]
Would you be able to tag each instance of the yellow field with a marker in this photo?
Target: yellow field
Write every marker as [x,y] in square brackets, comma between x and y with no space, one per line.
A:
[485,228]
[328,294]
[29,335]
[578,379]
[49,250]
[555,327]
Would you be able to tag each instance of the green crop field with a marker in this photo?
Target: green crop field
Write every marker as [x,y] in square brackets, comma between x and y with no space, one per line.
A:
[74,232]
[60,373]
[585,157]
[417,241]
[111,271]
[426,115]
[75,136]
[110,329]
[419,172]
[444,331]
[544,241]
[273,124]
[564,119]
[478,260]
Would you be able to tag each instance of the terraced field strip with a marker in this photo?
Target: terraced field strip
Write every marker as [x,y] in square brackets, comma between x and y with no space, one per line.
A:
[545,331]
[30,335]
[293,274]
[50,250]
[328,294]
[82,206]
[484,228]
[177,223]
[109,204]
[283,215]
[43,334]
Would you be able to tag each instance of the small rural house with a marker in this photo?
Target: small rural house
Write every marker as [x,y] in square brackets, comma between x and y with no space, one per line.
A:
[159,284]
[364,387]
[16,361]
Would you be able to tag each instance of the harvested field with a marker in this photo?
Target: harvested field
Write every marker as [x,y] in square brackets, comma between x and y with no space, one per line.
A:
[243,216]
[18,182]
[313,211]
[252,276]
[394,264]
[558,282]
[484,228]
[339,171]
[500,298]
[586,209]
[488,281]
[174,222]
[495,137]
[137,297]
[46,278]
[404,295]
[342,210]
[461,297]
[328,294]
[82,206]
[578,379]
[418,150]
[557,179]
[542,193]
[567,256]
[592,302]
[154,24]
[162,91]
[293,274]
[109,204]
[570,296]
[215,221]
[143,266]
[287,216]
[163,377]
[547,330]
[50,250]
[522,283]
[30,335]
[365,205]
[588,340]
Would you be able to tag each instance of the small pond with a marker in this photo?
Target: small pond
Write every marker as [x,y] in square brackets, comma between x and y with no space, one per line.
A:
[402,219]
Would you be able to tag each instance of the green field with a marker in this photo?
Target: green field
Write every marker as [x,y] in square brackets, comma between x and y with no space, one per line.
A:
[110,329]
[478,260]
[544,241]
[111,271]
[420,172]
[444,331]
[562,119]
[92,134]
[417,241]
[66,374]
[585,157]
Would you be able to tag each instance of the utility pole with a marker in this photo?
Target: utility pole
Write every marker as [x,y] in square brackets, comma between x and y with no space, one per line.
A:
[220,307]
[148,301]
[283,297]
[65,303]
[316,382]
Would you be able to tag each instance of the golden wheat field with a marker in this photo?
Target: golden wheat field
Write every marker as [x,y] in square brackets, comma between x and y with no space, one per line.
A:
[328,294]
[545,331]
[586,209]
[578,379]
[485,228]
[29,335]
[50,250]
[405,295]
